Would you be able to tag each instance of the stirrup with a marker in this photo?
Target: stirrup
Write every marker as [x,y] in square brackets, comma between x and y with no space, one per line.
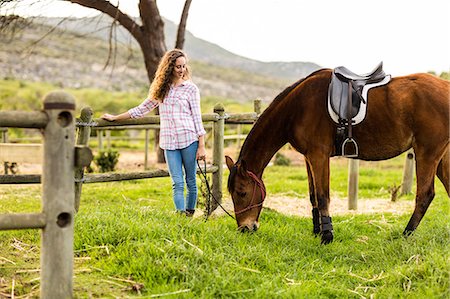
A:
[352,154]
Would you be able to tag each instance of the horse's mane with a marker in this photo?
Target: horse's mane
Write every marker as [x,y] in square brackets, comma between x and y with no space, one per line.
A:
[282,95]
[288,89]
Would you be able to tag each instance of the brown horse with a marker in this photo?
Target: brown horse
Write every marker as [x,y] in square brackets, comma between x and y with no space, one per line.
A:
[410,111]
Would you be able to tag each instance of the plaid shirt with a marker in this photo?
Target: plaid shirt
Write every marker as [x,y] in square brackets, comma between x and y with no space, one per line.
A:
[180,116]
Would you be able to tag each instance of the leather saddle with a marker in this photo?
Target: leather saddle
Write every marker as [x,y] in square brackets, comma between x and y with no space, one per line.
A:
[347,102]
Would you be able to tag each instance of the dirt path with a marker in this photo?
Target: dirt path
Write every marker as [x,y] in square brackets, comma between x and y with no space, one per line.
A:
[302,206]
[338,206]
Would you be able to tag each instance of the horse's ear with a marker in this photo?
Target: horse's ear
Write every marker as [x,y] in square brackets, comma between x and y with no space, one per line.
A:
[229,162]
[243,168]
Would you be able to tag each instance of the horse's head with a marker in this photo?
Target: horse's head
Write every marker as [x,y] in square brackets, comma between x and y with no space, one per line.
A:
[247,192]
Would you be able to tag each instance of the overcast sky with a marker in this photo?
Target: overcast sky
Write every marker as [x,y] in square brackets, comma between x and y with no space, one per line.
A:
[407,35]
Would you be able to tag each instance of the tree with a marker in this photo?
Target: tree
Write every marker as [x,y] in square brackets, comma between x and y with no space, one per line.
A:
[149,34]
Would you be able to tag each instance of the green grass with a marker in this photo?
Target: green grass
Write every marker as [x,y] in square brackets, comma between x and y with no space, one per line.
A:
[127,237]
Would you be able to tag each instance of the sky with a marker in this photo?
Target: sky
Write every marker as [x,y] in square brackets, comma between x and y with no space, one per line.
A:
[409,36]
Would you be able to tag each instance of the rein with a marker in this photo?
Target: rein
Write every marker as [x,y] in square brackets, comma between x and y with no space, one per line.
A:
[208,203]
[258,183]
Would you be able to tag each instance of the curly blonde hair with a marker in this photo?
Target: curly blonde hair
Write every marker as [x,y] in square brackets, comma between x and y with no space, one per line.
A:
[164,75]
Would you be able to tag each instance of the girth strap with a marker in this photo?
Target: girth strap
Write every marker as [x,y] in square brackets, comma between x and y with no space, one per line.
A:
[349,142]
[349,110]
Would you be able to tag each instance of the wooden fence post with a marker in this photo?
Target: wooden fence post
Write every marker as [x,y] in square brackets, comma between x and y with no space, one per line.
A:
[108,140]
[84,132]
[257,106]
[146,149]
[100,139]
[58,197]
[353,173]
[4,134]
[218,130]
[408,173]
[238,133]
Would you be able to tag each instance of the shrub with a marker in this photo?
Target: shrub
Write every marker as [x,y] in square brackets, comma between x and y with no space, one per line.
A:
[282,160]
[107,160]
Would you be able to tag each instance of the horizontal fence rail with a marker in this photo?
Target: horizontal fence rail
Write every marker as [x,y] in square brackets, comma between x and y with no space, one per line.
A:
[23,119]
[12,179]
[152,122]
[114,177]
[22,221]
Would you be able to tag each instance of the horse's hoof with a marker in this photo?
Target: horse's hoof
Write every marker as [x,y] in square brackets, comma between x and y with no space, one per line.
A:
[407,232]
[316,231]
[327,237]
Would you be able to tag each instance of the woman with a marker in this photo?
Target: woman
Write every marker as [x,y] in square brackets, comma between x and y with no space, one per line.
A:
[182,132]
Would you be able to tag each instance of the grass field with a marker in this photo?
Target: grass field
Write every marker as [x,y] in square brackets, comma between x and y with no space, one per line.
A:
[130,243]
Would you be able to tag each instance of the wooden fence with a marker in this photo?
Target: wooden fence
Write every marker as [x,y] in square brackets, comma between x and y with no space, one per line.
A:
[56,219]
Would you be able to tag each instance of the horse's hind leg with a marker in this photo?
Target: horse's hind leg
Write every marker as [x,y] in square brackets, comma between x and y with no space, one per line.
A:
[443,170]
[426,166]
[312,198]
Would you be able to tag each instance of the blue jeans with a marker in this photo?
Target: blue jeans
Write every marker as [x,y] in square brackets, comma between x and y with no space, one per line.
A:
[177,160]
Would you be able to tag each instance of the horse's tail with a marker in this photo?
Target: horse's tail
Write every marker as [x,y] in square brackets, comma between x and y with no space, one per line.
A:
[443,170]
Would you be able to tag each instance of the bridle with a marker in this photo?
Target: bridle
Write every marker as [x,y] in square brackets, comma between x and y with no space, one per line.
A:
[258,183]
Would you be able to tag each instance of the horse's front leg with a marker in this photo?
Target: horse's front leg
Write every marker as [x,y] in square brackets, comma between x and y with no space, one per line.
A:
[320,171]
[312,198]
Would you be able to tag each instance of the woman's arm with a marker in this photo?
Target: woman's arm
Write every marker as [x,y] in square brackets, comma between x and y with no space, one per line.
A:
[201,152]
[111,117]
[145,107]
[194,102]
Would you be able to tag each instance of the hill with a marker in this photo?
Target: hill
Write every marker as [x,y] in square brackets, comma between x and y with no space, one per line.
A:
[74,54]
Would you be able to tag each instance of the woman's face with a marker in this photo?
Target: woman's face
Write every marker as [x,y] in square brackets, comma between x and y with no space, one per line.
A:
[180,68]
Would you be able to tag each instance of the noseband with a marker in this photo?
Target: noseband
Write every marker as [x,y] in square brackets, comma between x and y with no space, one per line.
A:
[258,183]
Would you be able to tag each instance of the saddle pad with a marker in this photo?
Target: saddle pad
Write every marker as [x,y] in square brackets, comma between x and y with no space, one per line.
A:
[361,113]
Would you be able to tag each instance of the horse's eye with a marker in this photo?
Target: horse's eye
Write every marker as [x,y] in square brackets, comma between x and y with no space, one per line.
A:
[241,194]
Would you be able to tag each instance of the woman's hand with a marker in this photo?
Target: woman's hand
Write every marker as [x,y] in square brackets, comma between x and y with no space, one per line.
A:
[201,153]
[108,117]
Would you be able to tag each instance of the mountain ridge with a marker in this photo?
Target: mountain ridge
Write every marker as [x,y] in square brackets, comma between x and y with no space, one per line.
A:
[73,55]
[197,48]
